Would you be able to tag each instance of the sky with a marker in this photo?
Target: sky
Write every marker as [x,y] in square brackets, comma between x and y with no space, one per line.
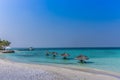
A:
[60,23]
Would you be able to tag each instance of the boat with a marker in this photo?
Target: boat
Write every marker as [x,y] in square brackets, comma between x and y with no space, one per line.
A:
[8,51]
[30,48]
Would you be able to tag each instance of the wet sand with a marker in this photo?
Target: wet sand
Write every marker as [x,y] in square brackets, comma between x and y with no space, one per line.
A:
[21,71]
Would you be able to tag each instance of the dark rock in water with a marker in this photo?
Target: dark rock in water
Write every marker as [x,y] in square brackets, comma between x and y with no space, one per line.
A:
[8,51]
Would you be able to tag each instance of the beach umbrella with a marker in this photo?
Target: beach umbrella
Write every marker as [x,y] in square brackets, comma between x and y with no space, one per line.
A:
[54,54]
[47,53]
[82,58]
[65,55]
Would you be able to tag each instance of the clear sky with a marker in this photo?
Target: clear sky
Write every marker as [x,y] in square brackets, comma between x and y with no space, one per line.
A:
[60,23]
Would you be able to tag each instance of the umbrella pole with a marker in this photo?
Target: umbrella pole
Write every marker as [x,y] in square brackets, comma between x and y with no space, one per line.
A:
[54,55]
[64,57]
[82,61]
[47,54]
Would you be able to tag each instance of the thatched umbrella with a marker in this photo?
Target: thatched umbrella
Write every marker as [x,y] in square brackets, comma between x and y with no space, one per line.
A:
[65,55]
[47,53]
[82,58]
[54,54]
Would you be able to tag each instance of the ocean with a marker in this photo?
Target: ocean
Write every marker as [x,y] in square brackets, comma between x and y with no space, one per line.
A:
[99,58]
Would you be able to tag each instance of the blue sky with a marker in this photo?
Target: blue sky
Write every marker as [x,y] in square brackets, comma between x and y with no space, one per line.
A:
[60,23]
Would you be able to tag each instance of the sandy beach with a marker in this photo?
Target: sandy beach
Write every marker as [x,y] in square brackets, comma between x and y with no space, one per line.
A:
[21,71]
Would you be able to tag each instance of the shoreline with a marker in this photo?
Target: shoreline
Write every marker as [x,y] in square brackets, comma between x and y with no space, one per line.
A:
[60,73]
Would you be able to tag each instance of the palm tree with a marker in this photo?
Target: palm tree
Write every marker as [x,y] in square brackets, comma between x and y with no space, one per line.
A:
[65,55]
[82,58]
[4,44]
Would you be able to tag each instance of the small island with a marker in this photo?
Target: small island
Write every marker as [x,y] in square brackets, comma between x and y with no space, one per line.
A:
[3,46]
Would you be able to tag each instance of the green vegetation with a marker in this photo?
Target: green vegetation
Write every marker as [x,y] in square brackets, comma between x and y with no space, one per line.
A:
[4,44]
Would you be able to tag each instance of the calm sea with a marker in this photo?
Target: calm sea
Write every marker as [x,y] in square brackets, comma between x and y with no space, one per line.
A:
[100,58]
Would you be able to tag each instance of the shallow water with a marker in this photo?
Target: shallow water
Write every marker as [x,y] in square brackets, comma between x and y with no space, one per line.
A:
[105,59]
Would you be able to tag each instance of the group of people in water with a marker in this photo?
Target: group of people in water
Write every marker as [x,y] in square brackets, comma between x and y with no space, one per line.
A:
[65,56]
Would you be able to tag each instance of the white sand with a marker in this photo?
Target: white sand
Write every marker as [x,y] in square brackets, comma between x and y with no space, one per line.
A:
[20,71]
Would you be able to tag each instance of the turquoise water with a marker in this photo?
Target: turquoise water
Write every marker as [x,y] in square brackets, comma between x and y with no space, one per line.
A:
[105,59]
